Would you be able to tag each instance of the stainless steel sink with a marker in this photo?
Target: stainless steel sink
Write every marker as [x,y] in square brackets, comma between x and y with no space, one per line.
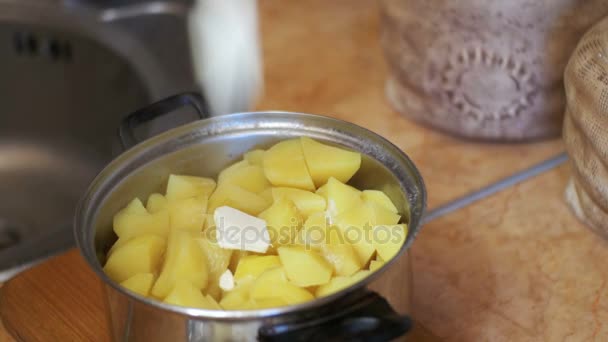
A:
[70,71]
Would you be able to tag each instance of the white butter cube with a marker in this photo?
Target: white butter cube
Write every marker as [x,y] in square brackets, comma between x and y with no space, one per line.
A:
[227,281]
[239,230]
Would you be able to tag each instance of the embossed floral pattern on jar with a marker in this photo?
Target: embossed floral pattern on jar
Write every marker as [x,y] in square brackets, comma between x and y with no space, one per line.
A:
[483,69]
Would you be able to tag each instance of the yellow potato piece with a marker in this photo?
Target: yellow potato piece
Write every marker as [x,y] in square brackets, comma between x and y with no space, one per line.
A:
[389,239]
[236,257]
[227,172]
[326,161]
[307,202]
[314,232]
[209,225]
[356,227]
[156,202]
[184,293]
[380,198]
[322,191]
[250,178]
[184,260]
[340,197]
[218,260]
[252,266]
[237,298]
[135,207]
[283,221]
[255,157]
[264,284]
[342,256]
[267,195]
[382,215]
[139,283]
[284,165]
[339,283]
[375,265]
[238,198]
[135,220]
[213,303]
[189,213]
[181,187]
[304,267]
[264,303]
[141,254]
[273,284]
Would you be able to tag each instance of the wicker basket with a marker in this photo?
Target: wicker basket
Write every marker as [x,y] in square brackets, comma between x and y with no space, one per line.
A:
[586,128]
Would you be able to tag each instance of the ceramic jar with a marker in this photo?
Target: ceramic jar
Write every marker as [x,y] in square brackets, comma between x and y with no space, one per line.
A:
[483,69]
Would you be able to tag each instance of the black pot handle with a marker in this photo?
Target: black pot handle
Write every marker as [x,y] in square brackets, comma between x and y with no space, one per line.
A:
[158,109]
[367,318]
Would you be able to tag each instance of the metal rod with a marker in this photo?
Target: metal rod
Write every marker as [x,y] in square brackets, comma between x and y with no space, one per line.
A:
[495,187]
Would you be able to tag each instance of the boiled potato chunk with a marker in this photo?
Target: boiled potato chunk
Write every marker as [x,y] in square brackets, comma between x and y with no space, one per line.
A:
[156,202]
[273,284]
[342,256]
[283,221]
[135,220]
[304,267]
[218,260]
[250,178]
[389,239]
[119,243]
[238,198]
[184,260]
[380,198]
[252,266]
[356,227]
[375,265]
[382,215]
[326,161]
[339,283]
[322,191]
[237,298]
[235,259]
[139,283]
[340,197]
[314,232]
[180,187]
[284,165]
[227,172]
[265,303]
[213,303]
[263,286]
[307,202]
[255,157]
[141,254]
[267,195]
[189,213]
[135,207]
[184,293]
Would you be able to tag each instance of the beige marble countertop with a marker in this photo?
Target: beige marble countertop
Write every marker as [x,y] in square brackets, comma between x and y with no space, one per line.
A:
[516,266]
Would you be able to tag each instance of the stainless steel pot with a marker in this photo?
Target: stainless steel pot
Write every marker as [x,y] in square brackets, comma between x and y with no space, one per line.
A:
[375,309]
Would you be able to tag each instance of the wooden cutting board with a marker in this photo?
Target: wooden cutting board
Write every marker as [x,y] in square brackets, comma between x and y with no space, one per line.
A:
[59,300]
[62,300]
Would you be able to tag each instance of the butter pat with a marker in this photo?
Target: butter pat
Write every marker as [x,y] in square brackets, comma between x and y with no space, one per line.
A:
[227,281]
[239,230]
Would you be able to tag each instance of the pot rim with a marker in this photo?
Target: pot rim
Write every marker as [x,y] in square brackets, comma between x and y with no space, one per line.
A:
[85,238]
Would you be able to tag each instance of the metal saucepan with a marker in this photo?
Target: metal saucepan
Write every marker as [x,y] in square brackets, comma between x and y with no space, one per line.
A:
[376,309]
